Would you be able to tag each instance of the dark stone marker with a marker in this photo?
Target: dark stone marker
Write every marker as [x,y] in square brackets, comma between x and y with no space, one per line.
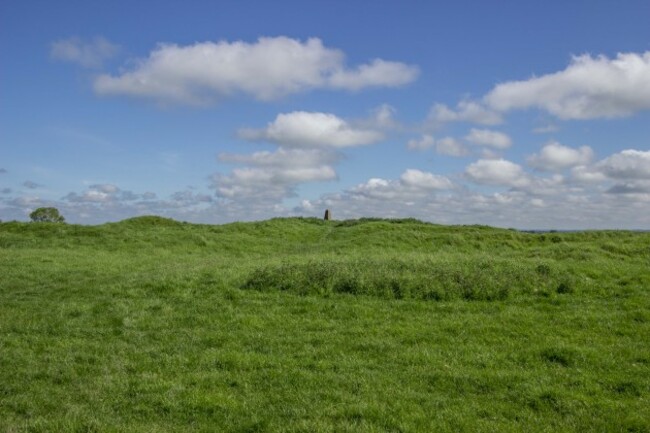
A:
[328,215]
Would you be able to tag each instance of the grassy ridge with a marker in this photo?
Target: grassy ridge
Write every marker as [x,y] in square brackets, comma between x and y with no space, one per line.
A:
[302,325]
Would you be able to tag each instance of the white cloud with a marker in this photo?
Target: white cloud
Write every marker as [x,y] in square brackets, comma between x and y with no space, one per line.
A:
[497,172]
[554,156]
[588,175]
[445,146]
[87,54]
[590,87]
[466,111]
[106,193]
[271,176]
[486,137]
[412,185]
[451,147]
[630,168]
[425,142]
[257,190]
[384,117]
[306,129]
[381,118]
[544,203]
[267,69]
[628,164]
[377,188]
[309,146]
[264,177]
[420,179]
[379,73]
[262,186]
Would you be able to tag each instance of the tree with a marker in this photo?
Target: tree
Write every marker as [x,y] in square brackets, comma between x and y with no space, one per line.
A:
[47,214]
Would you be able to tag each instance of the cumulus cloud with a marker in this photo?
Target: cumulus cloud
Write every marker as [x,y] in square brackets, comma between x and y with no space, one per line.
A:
[268,69]
[609,199]
[378,73]
[90,54]
[625,172]
[423,143]
[498,172]
[587,174]
[466,111]
[411,185]
[451,147]
[267,185]
[5,191]
[312,130]
[271,176]
[445,146]
[105,193]
[554,156]
[425,180]
[284,176]
[545,203]
[3,170]
[628,164]
[486,137]
[383,117]
[590,87]
[309,145]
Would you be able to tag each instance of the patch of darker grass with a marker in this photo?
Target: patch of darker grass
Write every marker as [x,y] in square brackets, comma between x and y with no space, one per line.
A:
[417,277]
[558,356]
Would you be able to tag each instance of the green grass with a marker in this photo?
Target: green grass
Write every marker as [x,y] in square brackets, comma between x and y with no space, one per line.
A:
[301,325]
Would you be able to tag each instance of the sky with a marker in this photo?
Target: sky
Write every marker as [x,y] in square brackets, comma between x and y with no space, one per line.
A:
[516,114]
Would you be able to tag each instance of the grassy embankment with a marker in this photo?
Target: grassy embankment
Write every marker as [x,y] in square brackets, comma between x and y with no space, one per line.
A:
[302,325]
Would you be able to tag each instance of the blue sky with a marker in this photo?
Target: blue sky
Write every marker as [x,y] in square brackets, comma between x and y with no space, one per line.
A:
[512,113]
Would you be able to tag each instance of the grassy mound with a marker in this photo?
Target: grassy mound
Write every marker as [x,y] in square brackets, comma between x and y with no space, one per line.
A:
[149,221]
[293,325]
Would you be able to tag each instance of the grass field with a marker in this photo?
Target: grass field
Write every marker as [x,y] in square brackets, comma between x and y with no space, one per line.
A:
[302,325]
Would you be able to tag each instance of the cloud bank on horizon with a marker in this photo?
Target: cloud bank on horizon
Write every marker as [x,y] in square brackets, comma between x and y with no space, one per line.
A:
[470,160]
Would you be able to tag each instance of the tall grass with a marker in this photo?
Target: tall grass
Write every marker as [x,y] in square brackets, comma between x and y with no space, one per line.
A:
[415,277]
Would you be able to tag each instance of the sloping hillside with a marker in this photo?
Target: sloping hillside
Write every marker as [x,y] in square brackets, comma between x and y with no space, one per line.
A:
[304,325]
